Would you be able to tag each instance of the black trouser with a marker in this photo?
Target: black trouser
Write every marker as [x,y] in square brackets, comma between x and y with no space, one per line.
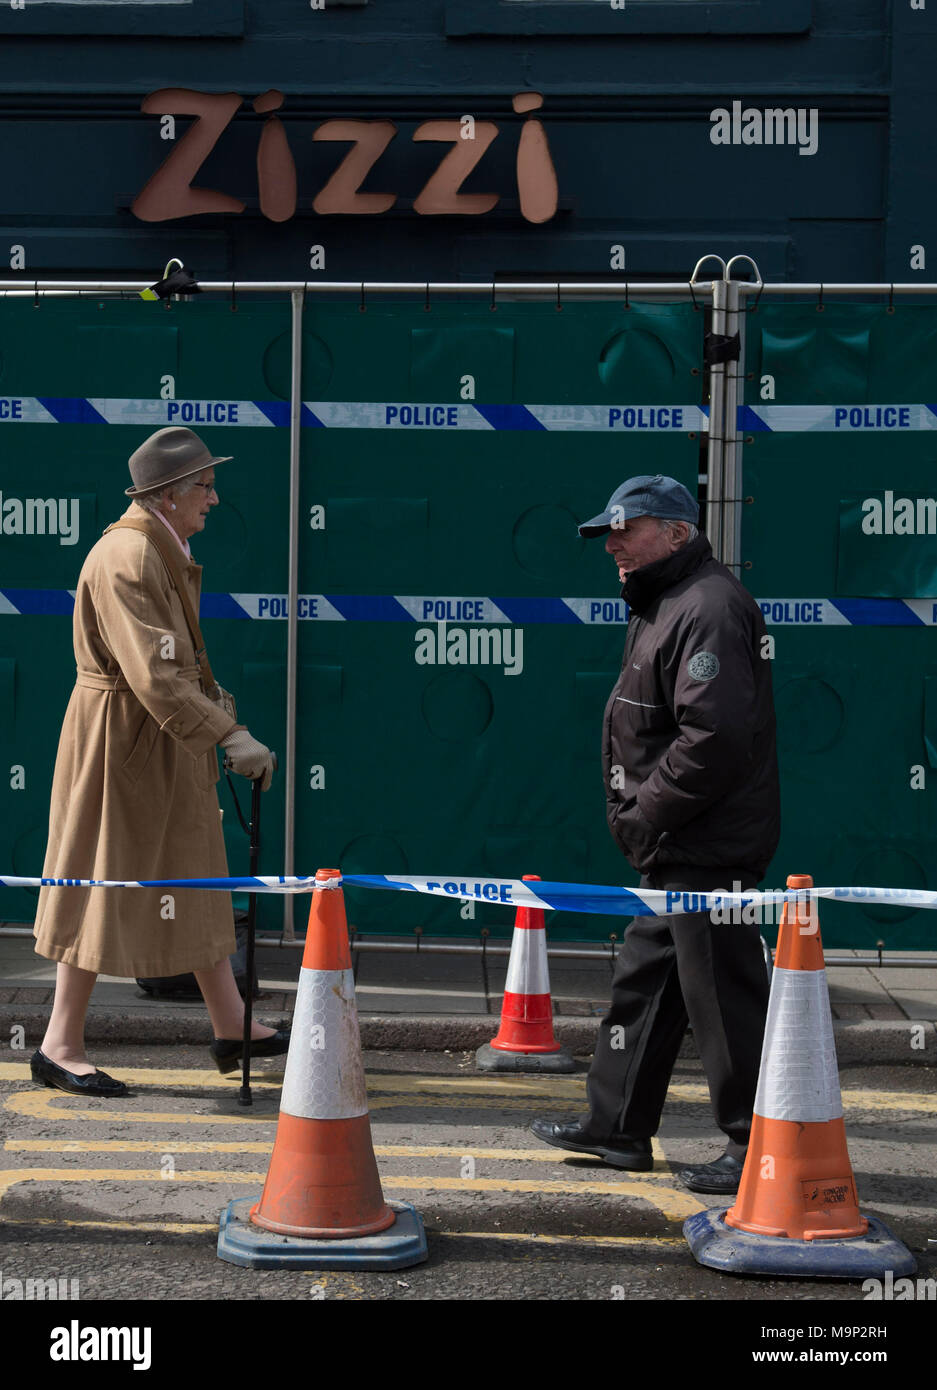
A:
[671,971]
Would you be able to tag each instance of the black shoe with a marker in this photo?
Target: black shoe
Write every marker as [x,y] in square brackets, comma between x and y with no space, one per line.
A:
[227,1051]
[722,1175]
[96,1083]
[634,1154]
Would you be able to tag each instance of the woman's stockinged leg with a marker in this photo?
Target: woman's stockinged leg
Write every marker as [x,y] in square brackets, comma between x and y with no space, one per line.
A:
[64,1041]
[224,1003]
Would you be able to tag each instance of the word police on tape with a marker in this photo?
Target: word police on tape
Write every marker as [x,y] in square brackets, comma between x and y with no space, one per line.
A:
[608,900]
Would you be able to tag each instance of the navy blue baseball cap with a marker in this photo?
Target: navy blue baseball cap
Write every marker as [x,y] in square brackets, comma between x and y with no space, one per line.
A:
[645,495]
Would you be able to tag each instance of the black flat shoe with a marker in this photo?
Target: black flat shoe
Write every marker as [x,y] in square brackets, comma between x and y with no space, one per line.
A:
[722,1175]
[227,1051]
[96,1083]
[633,1154]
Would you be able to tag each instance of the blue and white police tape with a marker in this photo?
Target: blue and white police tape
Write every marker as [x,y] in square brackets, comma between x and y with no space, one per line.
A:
[448,417]
[842,419]
[523,610]
[354,415]
[608,900]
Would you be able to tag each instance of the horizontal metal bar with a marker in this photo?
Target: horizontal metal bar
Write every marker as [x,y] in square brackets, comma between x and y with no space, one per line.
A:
[613,289]
[540,288]
[445,948]
[577,953]
[751,287]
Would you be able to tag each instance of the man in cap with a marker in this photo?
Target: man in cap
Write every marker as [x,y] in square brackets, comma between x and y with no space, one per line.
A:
[692,796]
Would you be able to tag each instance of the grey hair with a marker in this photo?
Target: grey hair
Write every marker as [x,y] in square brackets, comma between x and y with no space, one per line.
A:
[151,500]
[665,525]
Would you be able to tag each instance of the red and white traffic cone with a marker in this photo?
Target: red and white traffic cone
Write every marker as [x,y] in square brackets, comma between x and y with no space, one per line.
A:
[797,1212]
[322,1205]
[525,1040]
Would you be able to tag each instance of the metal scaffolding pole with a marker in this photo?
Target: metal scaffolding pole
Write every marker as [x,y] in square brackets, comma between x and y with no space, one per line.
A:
[497,290]
[732,469]
[292,615]
[715,490]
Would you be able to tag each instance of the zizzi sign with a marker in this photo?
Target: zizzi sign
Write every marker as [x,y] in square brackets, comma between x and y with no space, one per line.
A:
[170,193]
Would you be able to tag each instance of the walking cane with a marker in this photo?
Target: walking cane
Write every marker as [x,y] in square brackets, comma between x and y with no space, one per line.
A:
[253,834]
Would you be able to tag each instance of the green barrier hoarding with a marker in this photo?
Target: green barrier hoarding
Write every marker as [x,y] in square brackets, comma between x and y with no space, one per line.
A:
[855,696]
[484,765]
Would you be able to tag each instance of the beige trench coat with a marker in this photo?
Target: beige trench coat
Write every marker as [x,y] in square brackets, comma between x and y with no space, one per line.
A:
[134,794]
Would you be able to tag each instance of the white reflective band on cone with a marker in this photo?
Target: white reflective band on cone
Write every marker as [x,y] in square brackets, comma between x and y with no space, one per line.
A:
[324,1075]
[799,1079]
[527,965]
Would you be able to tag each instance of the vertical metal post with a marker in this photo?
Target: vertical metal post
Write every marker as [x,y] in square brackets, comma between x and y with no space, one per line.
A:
[292,603]
[732,472]
[716,456]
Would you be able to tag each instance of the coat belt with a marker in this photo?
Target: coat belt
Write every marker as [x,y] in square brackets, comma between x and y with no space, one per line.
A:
[97,680]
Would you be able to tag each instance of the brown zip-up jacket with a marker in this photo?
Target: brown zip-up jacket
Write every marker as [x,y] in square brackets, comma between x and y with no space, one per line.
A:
[688,745]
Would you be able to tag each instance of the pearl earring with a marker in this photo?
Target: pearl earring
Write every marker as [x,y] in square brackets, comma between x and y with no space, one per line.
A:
[173,506]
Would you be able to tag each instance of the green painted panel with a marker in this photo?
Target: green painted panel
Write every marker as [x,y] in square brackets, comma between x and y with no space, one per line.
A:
[854,701]
[876,557]
[490,767]
[455,769]
[125,351]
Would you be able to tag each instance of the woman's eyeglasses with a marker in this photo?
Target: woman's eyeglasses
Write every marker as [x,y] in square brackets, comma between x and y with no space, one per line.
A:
[209,487]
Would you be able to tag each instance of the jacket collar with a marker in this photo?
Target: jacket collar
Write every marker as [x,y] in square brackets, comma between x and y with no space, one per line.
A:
[644,585]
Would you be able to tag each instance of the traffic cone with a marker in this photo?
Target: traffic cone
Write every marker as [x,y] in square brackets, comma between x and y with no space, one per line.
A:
[322,1205]
[525,1040]
[796,1211]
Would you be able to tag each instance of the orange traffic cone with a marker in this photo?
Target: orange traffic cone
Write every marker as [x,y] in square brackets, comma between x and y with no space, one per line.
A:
[322,1205]
[796,1211]
[525,1040]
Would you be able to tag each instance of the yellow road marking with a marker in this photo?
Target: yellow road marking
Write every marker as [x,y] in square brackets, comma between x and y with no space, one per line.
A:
[202,1227]
[673,1205]
[43,1105]
[379,1083]
[167,1227]
[137,1146]
[463,1103]
[501,1087]
[10,1177]
[205,1146]
[157,1076]
[46,1105]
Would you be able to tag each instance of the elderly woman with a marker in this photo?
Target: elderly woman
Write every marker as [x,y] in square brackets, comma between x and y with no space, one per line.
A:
[134,795]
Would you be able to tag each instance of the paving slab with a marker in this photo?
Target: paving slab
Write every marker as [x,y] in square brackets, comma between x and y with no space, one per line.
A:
[431,1000]
[917,1004]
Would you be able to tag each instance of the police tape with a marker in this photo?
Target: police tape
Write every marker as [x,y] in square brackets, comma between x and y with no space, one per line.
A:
[422,416]
[419,416]
[517,611]
[439,417]
[607,900]
[841,419]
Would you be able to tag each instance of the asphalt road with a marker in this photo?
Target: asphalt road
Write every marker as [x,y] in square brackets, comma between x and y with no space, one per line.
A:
[125,1196]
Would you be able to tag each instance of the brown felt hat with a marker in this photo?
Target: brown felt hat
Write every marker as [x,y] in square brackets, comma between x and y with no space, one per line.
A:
[168,456]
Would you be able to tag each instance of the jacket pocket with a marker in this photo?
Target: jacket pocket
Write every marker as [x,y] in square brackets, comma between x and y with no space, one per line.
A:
[143,745]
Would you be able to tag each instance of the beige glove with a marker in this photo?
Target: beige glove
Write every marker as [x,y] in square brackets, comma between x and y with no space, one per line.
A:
[247,756]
